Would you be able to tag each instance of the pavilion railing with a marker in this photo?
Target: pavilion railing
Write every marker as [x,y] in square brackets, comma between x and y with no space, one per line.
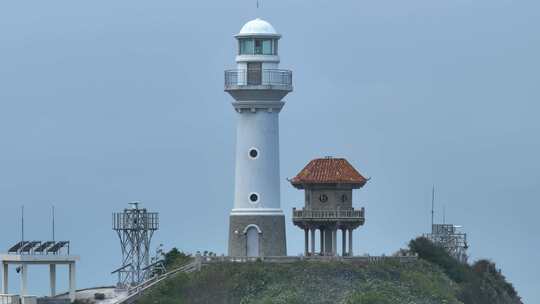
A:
[325,214]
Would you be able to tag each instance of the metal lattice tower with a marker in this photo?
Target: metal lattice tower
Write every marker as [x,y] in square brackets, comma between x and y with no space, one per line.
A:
[451,239]
[447,236]
[135,228]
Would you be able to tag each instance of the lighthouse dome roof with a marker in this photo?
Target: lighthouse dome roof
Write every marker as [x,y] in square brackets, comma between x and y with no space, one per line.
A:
[258,27]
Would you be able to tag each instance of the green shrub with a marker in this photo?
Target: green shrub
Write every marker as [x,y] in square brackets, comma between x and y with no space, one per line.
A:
[480,283]
[175,258]
[426,250]
[370,297]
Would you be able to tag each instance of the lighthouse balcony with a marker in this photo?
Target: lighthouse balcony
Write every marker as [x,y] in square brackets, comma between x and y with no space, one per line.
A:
[258,84]
[350,216]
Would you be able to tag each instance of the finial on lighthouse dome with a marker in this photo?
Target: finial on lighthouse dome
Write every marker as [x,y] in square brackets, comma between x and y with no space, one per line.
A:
[258,27]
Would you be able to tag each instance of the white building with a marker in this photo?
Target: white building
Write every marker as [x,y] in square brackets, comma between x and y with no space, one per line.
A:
[26,253]
[257,223]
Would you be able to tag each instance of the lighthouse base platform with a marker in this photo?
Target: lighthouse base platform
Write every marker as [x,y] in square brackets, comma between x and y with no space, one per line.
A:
[257,235]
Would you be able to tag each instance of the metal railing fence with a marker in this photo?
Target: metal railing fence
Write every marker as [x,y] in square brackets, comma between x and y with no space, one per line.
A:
[272,77]
[9,299]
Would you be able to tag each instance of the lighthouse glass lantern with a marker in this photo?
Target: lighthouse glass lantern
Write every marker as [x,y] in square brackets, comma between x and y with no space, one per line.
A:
[257,86]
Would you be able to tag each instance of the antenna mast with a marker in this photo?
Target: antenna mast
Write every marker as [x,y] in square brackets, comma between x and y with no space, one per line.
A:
[444,214]
[432,204]
[22,223]
[53,223]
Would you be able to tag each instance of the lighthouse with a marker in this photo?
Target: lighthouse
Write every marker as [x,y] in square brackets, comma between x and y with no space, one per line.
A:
[258,86]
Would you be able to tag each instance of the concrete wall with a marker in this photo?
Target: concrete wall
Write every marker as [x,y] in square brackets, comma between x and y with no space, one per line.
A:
[52,301]
[317,259]
[272,240]
[336,199]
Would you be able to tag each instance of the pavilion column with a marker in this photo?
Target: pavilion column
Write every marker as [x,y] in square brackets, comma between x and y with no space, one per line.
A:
[52,279]
[343,242]
[312,241]
[24,279]
[72,282]
[306,241]
[334,242]
[350,242]
[322,240]
[5,278]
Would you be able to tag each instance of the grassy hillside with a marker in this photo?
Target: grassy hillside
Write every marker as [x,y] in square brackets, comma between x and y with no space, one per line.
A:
[305,282]
[434,279]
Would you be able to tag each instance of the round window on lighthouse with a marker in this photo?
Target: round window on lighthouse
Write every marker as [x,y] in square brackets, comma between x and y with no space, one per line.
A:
[253,153]
[253,198]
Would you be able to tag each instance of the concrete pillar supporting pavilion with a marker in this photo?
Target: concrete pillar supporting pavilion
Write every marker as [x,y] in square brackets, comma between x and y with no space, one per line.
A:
[350,242]
[72,282]
[322,241]
[306,241]
[343,242]
[24,279]
[312,241]
[334,241]
[5,275]
[52,279]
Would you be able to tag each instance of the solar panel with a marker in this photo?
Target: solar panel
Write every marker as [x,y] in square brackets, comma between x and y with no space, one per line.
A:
[44,246]
[16,247]
[28,247]
[56,247]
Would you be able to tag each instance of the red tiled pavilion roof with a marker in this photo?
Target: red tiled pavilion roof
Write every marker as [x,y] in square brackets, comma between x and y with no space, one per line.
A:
[328,171]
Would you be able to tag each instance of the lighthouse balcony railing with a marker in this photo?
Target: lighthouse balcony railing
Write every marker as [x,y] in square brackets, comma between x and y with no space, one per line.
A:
[269,78]
[328,214]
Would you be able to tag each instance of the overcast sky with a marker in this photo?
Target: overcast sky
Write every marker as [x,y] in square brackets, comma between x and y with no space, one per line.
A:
[107,102]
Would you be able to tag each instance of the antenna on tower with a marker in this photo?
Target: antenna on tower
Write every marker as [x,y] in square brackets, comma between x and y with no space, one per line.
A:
[22,223]
[52,222]
[432,204]
[444,214]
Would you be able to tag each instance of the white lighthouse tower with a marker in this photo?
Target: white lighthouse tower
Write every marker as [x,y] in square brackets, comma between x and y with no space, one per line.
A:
[257,223]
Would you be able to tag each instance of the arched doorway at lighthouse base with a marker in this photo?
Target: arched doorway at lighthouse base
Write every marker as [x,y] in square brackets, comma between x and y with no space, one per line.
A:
[252,241]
